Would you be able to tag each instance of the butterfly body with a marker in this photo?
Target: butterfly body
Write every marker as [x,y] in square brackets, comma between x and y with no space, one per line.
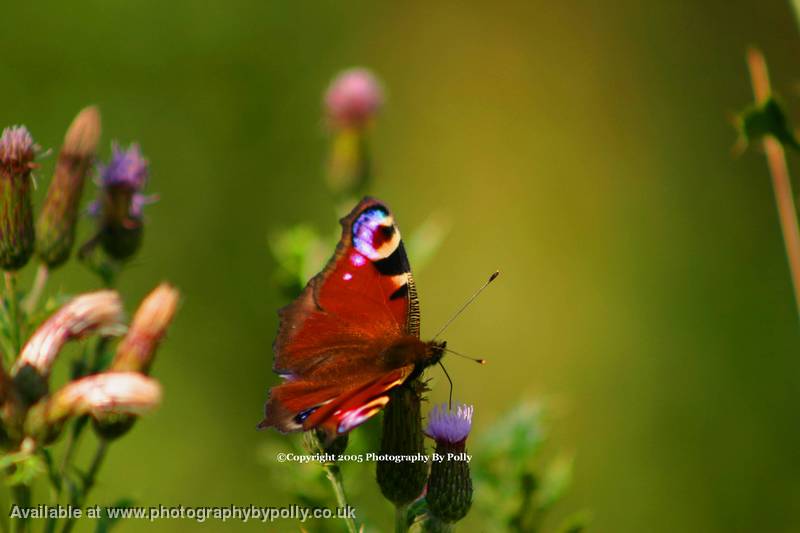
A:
[353,333]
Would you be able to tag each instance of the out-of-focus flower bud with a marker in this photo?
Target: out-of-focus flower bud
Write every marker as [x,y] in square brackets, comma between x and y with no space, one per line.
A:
[449,493]
[352,101]
[102,396]
[353,98]
[137,349]
[97,311]
[402,482]
[119,209]
[17,237]
[55,229]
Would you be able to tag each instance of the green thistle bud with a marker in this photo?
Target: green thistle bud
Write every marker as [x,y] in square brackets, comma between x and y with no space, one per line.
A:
[449,494]
[16,213]
[402,482]
[55,227]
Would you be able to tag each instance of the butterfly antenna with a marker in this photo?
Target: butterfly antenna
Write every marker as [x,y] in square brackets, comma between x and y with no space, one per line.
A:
[450,399]
[478,360]
[466,304]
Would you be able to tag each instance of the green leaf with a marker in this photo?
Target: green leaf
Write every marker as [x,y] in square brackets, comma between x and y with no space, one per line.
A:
[26,470]
[426,239]
[555,482]
[52,471]
[575,523]
[300,253]
[106,523]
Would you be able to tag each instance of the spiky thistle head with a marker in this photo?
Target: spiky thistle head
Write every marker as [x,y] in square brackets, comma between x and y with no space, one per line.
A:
[450,424]
[449,493]
[119,209]
[17,234]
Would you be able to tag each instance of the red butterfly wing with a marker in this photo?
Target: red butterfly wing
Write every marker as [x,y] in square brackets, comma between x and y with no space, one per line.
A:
[330,336]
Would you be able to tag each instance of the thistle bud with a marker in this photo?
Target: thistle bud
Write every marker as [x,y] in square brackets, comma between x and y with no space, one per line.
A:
[353,98]
[402,482]
[120,206]
[85,314]
[102,396]
[55,227]
[16,214]
[449,493]
[137,349]
[352,101]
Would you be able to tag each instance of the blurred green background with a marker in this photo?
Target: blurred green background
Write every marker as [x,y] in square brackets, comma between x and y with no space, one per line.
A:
[581,147]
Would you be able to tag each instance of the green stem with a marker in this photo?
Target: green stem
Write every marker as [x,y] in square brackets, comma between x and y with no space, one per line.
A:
[22,498]
[13,310]
[89,480]
[5,527]
[29,305]
[335,477]
[779,170]
[401,518]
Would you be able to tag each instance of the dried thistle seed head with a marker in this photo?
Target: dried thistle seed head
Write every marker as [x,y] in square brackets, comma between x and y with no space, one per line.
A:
[17,237]
[109,393]
[103,396]
[99,311]
[83,134]
[449,493]
[55,228]
[353,98]
[137,349]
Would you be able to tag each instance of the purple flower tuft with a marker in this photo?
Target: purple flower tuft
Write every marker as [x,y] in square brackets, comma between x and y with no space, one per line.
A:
[127,169]
[353,98]
[450,425]
[16,146]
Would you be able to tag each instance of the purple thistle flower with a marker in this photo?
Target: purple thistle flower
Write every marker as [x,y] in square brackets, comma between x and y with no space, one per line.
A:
[127,169]
[119,207]
[16,147]
[450,425]
[449,493]
[353,98]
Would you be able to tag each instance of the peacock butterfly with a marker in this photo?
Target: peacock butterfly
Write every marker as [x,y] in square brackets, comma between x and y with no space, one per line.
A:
[353,333]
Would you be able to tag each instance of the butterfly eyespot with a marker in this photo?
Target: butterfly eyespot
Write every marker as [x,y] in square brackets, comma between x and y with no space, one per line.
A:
[374,234]
[301,417]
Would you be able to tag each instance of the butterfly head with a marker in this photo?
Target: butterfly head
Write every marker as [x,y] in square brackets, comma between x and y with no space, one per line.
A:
[429,354]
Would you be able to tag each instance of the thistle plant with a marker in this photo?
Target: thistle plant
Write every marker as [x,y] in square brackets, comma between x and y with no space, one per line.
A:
[435,495]
[42,422]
